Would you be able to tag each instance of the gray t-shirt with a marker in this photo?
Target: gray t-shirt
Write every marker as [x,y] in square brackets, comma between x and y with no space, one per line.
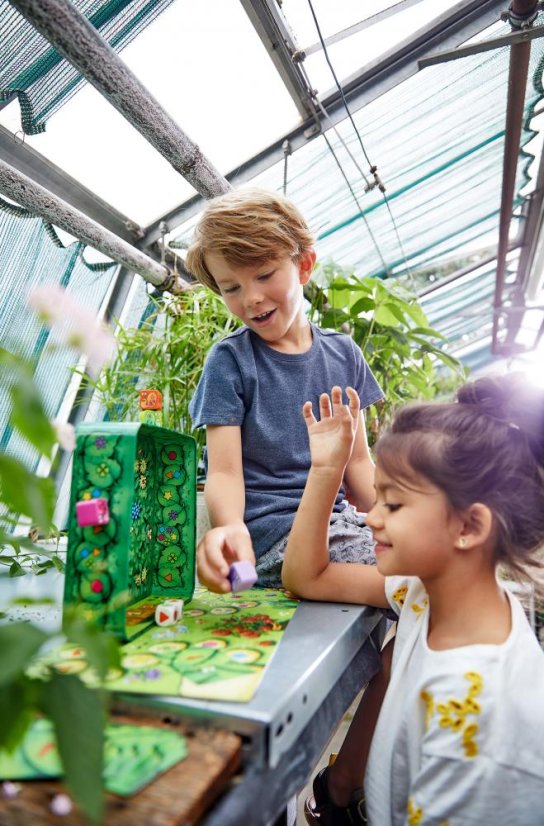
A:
[246,383]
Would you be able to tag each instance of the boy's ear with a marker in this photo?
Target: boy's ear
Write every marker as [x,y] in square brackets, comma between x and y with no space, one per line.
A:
[477,526]
[306,264]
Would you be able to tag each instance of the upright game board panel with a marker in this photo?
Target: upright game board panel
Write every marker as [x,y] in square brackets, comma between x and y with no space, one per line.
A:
[146,549]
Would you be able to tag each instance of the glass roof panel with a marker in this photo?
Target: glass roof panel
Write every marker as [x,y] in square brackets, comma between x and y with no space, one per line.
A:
[438,141]
[351,53]
[207,66]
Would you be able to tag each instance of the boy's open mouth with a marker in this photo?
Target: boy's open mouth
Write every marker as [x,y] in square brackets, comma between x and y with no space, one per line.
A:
[263,317]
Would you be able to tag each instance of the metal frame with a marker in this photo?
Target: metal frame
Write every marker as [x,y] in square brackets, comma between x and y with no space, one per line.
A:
[450,29]
[83,46]
[35,166]
[270,24]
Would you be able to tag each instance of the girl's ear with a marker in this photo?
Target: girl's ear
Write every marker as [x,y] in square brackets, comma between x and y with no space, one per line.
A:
[306,264]
[476,527]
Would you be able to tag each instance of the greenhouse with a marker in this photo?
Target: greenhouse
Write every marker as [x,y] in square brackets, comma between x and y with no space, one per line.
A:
[220,604]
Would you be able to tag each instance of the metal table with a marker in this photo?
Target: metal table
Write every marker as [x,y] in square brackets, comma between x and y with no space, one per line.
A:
[327,654]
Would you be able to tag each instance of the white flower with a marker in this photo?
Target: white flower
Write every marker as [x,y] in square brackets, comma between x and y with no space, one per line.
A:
[66,435]
[73,323]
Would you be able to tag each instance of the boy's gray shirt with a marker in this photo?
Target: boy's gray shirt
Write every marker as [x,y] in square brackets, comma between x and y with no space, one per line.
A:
[248,384]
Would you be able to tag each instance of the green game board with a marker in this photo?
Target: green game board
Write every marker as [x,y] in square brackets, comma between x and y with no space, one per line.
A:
[218,651]
[133,755]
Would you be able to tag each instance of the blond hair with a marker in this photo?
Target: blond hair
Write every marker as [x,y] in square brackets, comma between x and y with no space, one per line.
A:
[245,227]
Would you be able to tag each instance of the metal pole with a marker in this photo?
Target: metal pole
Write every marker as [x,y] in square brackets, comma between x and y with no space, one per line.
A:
[517,82]
[32,196]
[81,44]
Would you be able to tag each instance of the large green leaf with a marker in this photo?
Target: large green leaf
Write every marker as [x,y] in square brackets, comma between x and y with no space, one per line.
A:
[78,716]
[19,642]
[101,649]
[29,417]
[25,493]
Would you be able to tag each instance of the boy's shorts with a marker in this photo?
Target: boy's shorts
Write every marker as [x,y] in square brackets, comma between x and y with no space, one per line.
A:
[350,540]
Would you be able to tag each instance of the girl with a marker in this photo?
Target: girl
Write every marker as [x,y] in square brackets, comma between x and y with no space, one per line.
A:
[459,490]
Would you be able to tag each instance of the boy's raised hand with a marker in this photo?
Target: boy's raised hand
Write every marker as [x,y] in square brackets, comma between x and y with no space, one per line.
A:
[332,438]
[217,550]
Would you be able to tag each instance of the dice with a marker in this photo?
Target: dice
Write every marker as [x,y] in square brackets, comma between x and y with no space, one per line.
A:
[169,612]
[242,575]
[150,399]
[92,512]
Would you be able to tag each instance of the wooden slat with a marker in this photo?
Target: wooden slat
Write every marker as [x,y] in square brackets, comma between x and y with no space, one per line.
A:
[179,797]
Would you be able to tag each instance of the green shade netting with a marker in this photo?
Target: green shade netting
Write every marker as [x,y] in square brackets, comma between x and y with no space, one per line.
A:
[32,70]
[31,254]
[437,139]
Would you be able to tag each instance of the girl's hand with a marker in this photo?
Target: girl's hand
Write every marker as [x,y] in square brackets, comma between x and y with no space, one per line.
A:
[332,438]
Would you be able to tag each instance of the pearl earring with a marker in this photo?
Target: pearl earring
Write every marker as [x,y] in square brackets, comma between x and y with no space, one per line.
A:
[462,542]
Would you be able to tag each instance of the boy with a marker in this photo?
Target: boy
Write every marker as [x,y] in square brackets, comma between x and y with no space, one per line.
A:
[254,249]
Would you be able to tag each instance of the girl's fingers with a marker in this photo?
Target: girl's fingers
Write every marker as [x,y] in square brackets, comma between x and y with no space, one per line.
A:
[324,406]
[336,396]
[354,402]
[308,414]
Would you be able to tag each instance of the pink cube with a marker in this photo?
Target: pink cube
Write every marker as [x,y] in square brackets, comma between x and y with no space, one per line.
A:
[242,575]
[92,512]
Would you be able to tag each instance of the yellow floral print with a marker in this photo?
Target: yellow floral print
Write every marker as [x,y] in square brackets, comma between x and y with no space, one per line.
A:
[453,714]
[415,814]
[400,595]
[427,698]
[418,609]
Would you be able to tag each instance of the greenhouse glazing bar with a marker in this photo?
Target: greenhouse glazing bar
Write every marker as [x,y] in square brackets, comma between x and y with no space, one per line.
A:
[39,201]
[55,180]
[80,43]
[448,30]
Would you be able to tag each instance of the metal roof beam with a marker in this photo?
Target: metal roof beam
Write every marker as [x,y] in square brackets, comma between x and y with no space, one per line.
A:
[271,26]
[448,30]
[517,82]
[37,199]
[83,46]
[34,165]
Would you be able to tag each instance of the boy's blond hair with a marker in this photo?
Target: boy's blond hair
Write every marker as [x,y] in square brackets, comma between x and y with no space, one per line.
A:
[245,227]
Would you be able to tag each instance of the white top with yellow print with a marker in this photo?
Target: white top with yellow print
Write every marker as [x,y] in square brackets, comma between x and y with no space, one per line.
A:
[460,737]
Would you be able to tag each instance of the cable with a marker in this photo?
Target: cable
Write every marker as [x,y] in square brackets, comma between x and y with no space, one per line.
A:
[338,85]
[373,168]
[354,196]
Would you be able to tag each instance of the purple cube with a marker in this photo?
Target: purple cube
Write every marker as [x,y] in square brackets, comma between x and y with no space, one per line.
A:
[92,512]
[242,575]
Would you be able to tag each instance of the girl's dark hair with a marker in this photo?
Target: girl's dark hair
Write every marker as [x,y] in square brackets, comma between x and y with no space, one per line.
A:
[487,447]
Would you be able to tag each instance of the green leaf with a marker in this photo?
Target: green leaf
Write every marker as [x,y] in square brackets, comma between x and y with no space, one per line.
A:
[19,642]
[58,563]
[362,305]
[16,569]
[78,717]
[28,415]
[25,493]
[17,710]
[101,649]
[383,315]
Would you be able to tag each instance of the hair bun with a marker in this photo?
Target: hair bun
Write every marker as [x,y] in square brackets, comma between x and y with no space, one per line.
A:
[511,399]
[489,396]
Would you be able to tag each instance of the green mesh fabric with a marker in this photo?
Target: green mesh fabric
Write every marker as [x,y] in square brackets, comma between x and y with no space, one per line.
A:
[32,70]
[437,139]
[31,254]
[438,142]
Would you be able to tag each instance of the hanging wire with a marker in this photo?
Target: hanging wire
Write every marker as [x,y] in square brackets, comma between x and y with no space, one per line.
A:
[368,185]
[373,168]
[359,207]
[338,85]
